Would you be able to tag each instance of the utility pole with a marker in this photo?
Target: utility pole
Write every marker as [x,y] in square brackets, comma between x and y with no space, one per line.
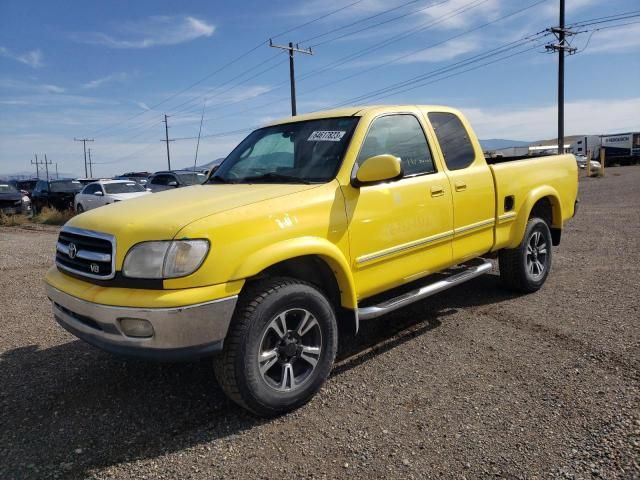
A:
[561,47]
[90,165]
[84,143]
[292,77]
[57,176]
[46,165]
[37,164]
[166,140]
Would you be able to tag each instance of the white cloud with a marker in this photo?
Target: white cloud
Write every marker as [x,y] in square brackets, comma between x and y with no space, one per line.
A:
[22,86]
[143,105]
[551,9]
[459,13]
[446,51]
[534,123]
[114,77]
[150,32]
[33,58]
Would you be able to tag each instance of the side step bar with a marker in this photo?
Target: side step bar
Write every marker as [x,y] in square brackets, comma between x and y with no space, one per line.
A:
[367,313]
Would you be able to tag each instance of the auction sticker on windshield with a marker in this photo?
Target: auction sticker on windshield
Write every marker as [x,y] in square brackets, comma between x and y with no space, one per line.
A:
[326,136]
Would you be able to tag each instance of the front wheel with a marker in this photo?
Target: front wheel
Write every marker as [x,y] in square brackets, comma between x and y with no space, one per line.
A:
[526,268]
[79,208]
[280,347]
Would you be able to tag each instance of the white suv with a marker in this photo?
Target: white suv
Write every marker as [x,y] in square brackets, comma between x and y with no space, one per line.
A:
[101,193]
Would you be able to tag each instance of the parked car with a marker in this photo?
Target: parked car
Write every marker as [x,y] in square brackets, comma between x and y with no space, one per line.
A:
[168,180]
[25,186]
[312,221]
[581,160]
[138,177]
[58,194]
[88,180]
[10,199]
[105,192]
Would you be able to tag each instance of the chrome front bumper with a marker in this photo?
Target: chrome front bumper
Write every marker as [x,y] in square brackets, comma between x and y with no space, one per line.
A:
[179,333]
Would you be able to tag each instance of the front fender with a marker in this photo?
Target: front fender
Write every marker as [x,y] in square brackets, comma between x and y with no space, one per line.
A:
[298,247]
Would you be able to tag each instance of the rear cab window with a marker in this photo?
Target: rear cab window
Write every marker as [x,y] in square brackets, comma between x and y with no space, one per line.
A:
[456,146]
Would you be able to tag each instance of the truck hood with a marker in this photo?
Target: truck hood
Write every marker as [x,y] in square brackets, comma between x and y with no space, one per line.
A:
[159,216]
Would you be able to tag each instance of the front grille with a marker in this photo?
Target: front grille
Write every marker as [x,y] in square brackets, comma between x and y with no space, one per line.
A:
[87,253]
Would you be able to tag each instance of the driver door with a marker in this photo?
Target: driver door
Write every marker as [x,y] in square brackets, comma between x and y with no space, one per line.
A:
[401,230]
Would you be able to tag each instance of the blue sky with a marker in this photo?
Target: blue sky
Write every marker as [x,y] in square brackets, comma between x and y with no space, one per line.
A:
[87,68]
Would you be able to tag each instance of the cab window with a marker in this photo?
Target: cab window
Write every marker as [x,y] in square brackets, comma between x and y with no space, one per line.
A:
[454,140]
[400,136]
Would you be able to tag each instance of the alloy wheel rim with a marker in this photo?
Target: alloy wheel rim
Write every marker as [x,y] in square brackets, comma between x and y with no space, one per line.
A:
[290,349]
[537,255]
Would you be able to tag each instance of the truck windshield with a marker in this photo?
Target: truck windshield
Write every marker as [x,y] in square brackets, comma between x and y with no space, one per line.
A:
[300,152]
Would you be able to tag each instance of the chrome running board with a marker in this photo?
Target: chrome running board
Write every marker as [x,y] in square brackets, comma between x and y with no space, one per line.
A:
[367,313]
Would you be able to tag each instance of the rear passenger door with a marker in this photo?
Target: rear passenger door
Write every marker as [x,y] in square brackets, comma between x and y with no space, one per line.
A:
[472,186]
[401,230]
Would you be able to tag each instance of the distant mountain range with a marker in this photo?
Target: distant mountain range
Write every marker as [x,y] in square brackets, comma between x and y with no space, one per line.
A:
[495,143]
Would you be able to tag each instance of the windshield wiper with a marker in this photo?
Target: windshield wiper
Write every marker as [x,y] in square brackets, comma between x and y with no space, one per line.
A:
[277,177]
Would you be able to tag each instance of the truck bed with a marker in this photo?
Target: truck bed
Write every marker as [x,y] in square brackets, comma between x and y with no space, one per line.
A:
[514,180]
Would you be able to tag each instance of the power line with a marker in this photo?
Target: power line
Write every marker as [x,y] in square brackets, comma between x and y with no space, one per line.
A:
[227,65]
[607,18]
[366,51]
[383,12]
[473,59]
[384,22]
[422,49]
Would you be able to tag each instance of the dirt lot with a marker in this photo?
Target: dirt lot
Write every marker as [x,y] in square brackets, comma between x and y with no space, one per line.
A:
[475,383]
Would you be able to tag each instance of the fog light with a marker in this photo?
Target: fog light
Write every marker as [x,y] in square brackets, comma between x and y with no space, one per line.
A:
[136,327]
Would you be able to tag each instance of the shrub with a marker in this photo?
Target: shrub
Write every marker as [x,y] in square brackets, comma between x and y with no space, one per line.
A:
[12,220]
[51,216]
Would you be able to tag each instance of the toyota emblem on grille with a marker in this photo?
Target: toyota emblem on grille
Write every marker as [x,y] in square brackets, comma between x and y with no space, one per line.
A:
[73,250]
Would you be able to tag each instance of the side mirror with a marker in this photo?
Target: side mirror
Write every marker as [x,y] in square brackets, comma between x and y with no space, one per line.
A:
[172,183]
[99,193]
[378,169]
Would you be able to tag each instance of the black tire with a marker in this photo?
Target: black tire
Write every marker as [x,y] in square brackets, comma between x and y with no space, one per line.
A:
[237,368]
[520,267]
[79,208]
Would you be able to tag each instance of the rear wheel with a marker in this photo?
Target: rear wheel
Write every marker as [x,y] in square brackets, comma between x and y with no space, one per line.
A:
[280,347]
[526,268]
[79,208]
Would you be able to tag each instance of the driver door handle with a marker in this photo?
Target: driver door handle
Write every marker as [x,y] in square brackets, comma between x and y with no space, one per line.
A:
[461,186]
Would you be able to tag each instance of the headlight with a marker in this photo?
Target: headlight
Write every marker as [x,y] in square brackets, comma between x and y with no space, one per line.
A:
[167,259]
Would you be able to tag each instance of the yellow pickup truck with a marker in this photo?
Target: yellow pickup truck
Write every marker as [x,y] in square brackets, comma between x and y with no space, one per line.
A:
[311,222]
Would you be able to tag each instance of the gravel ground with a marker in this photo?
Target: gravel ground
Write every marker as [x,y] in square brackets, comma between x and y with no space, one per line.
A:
[475,383]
